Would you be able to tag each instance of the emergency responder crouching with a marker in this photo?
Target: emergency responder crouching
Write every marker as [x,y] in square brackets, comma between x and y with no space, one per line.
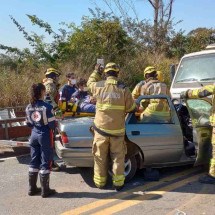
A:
[113,101]
[200,93]
[39,116]
[51,85]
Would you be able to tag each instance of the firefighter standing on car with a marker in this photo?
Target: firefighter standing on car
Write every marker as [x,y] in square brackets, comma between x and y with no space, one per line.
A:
[205,91]
[51,84]
[40,118]
[113,101]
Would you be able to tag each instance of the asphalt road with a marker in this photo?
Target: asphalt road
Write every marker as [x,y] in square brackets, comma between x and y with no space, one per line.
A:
[178,192]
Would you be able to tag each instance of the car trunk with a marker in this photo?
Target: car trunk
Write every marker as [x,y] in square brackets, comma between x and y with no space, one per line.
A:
[77,131]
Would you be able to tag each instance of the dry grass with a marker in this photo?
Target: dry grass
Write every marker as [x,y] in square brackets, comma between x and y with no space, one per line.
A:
[14,87]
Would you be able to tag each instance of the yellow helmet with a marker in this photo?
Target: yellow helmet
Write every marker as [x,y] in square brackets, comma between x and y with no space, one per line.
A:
[52,70]
[111,67]
[160,76]
[149,69]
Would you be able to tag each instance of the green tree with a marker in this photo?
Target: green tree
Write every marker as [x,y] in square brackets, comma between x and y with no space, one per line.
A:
[199,38]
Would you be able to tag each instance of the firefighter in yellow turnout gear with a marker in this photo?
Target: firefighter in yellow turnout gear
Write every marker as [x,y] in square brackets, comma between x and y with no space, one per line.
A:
[113,101]
[154,110]
[200,93]
[137,90]
[51,85]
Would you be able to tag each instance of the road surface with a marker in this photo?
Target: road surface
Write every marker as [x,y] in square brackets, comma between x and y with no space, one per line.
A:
[178,192]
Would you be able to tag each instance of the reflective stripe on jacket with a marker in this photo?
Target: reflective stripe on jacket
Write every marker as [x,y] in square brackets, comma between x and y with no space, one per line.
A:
[157,107]
[205,91]
[113,101]
[40,116]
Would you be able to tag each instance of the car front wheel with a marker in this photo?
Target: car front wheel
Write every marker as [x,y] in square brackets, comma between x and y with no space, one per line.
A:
[130,168]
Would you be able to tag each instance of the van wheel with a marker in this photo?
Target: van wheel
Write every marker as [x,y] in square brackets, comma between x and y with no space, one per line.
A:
[130,169]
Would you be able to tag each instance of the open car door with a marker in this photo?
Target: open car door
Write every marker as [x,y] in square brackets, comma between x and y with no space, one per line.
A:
[200,111]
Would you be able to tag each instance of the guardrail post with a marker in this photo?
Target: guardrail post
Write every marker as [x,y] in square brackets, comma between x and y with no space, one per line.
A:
[6,131]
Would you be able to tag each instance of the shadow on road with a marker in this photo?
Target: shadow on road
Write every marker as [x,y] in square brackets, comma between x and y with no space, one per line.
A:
[87,175]
[114,194]
[24,159]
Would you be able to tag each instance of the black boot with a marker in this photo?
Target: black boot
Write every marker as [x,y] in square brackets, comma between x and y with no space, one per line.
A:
[46,191]
[118,188]
[33,189]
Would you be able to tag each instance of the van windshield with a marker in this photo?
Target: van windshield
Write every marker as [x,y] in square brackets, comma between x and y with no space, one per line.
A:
[197,69]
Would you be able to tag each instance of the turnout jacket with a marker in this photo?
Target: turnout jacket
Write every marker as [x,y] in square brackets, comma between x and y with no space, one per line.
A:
[113,101]
[51,92]
[158,107]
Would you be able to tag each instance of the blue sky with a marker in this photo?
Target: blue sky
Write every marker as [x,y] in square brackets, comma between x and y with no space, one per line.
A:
[194,13]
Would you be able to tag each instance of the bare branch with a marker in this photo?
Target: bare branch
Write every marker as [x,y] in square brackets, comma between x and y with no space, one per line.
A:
[151,3]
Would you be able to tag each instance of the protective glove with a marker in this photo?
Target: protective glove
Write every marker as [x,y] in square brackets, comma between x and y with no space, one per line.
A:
[184,94]
[99,69]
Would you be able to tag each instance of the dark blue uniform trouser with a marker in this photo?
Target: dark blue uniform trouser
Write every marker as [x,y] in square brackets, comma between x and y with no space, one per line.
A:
[41,144]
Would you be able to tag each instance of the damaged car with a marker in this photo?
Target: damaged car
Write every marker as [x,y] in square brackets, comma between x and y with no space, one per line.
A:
[182,139]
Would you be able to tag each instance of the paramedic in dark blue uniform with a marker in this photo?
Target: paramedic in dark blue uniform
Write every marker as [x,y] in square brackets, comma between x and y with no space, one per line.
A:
[40,118]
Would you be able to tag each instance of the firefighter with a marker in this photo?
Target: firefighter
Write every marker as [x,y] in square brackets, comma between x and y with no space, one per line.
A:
[51,84]
[39,116]
[137,90]
[113,101]
[200,93]
[154,110]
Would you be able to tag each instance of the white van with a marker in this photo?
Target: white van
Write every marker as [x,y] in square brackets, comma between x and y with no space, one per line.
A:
[194,71]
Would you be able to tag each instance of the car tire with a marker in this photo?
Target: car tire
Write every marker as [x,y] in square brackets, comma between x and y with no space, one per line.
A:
[130,169]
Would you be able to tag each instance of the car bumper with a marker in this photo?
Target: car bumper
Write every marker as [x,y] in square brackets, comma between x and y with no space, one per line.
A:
[79,157]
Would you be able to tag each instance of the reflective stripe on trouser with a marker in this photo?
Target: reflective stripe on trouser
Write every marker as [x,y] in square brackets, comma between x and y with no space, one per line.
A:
[212,162]
[104,146]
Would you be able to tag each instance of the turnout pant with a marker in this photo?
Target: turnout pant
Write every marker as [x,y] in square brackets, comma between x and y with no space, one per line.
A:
[105,147]
[212,161]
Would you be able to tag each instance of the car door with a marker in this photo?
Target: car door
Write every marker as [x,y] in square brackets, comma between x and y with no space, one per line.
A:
[200,111]
[160,142]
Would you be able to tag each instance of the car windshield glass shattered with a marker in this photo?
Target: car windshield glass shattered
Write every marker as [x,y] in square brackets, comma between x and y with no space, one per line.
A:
[197,69]
[200,111]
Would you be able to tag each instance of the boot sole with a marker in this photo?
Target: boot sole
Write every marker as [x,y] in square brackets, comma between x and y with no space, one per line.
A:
[32,193]
[49,194]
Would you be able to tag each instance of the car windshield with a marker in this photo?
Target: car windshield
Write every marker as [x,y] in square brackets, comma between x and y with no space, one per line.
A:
[197,69]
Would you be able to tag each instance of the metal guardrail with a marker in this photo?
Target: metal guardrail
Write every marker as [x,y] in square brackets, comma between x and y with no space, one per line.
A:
[7,123]
[14,143]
